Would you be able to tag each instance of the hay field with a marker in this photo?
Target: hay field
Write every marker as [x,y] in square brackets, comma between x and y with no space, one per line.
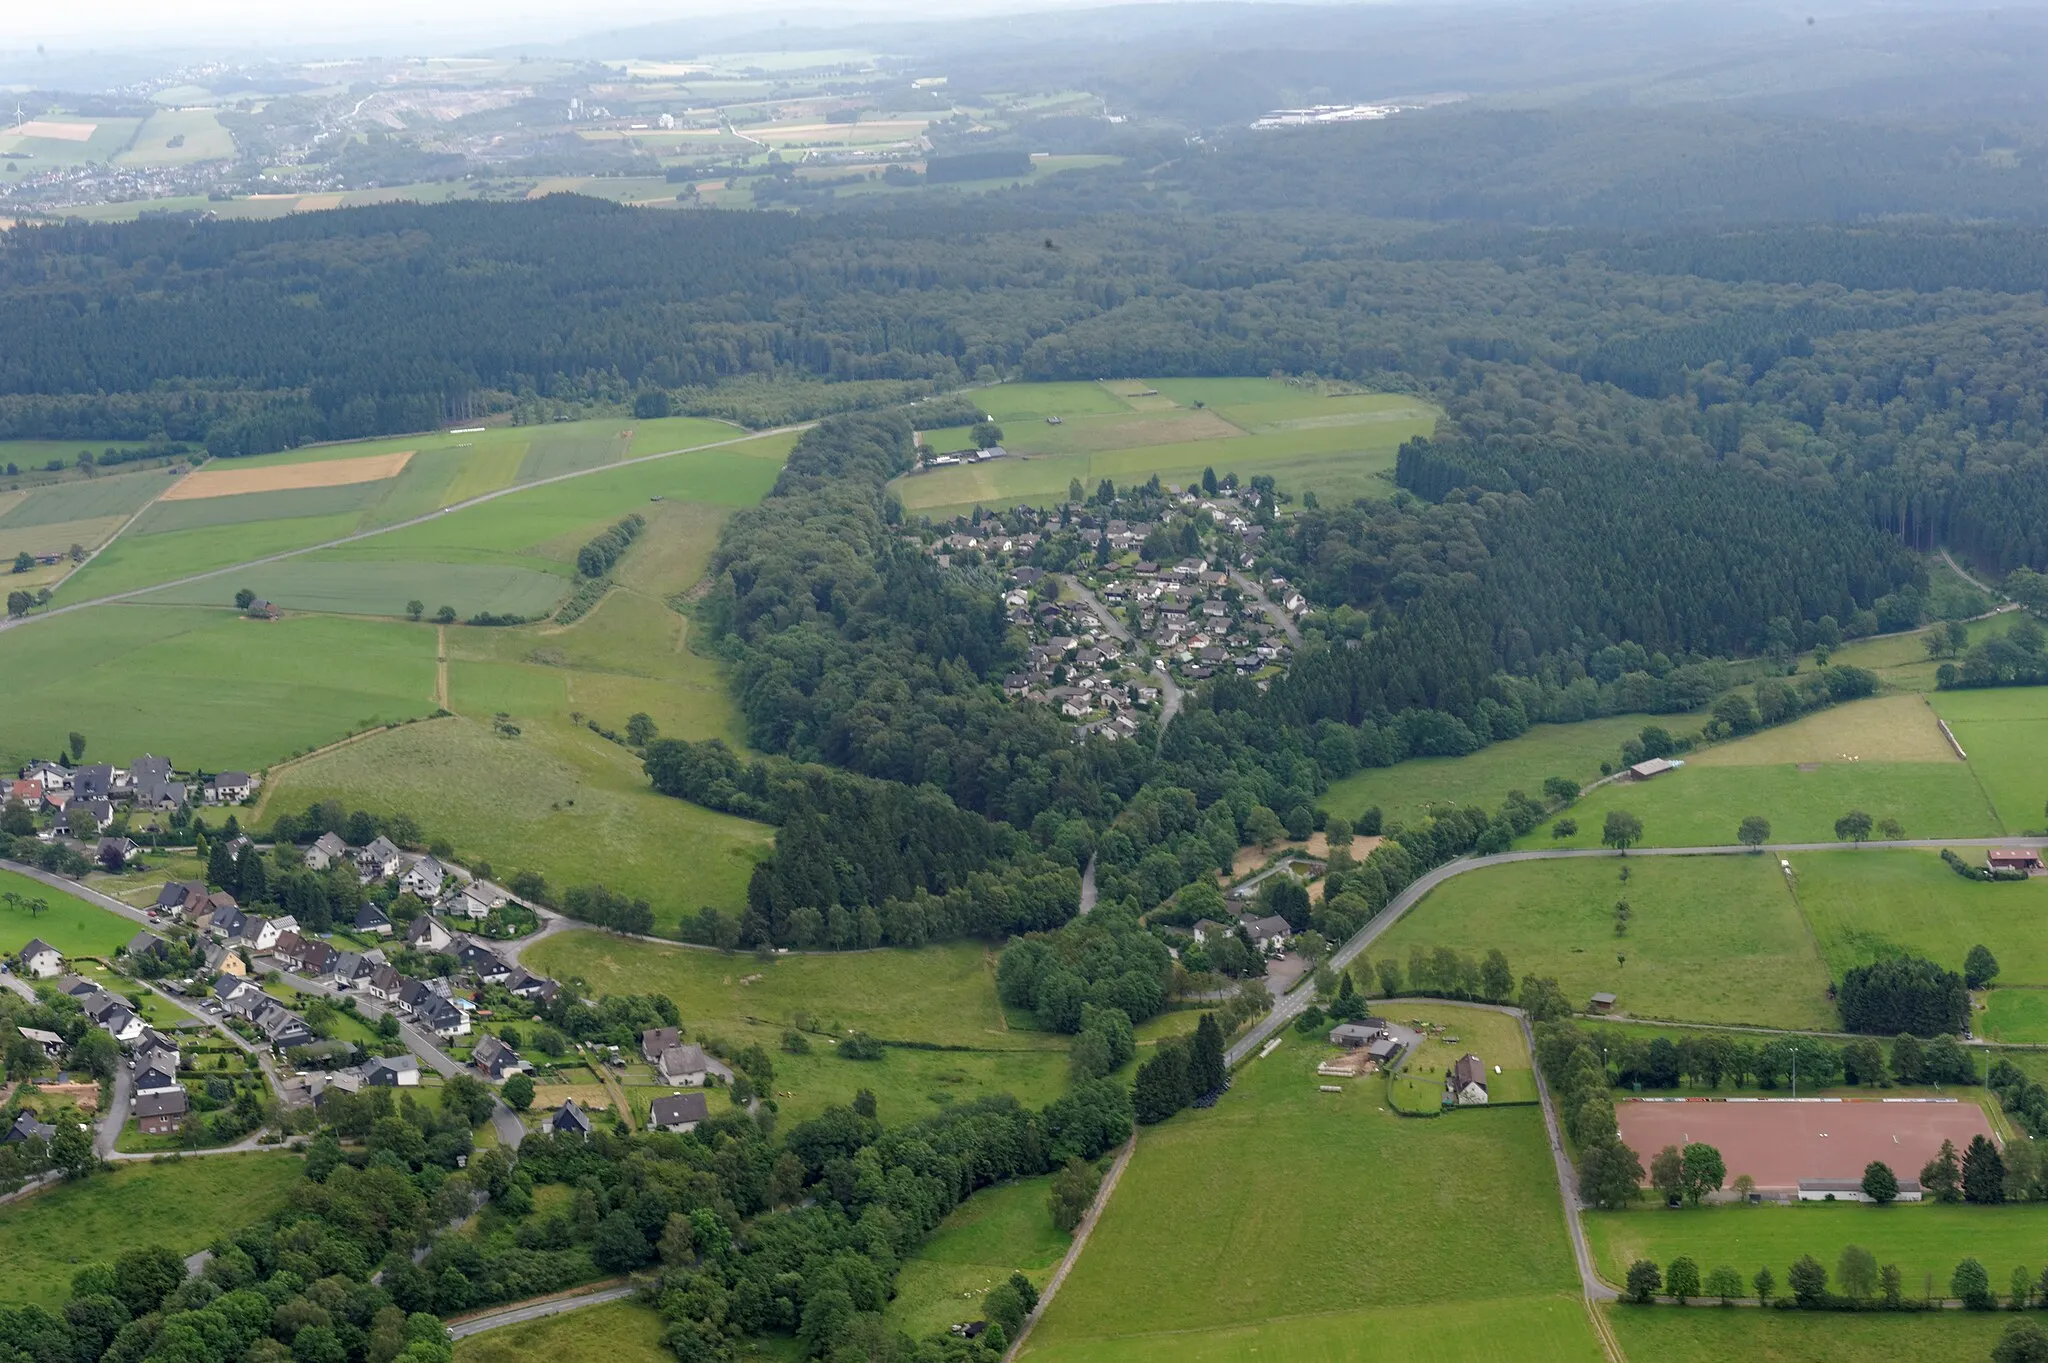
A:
[1868,905]
[60,140]
[1881,729]
[1217,1244]
[1710,939]
[2005,732]
[204,139]
[226,480]
[83,499]
[1339,446]
[1406,790]
[998,1231]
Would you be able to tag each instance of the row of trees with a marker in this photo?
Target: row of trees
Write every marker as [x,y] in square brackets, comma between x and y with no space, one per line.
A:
[1859,1284]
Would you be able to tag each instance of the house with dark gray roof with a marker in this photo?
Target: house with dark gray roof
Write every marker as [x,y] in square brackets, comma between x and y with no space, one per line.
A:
[570,1120]
[678,1112]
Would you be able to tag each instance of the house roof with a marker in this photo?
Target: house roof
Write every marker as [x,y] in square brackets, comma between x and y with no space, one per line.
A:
[36,946]
[570,1118]
[1272,925]
[331,844]
[1469,1069]
[169,1103]
[655,1040]
[677,1108]
[687,1059]
[146,941]
[26,1126]
[390,1064]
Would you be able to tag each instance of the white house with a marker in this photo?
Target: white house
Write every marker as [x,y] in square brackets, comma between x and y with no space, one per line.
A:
[686,1065]
[229,788]
[327,849]
[1467,1083]
[424,878]
[677,1112]
[40,960]
[267,931]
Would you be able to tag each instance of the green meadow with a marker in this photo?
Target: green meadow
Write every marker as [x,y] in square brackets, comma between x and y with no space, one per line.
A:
[68,923]
[1710,939]
[1405,791]
[618,1332]
[1340,446]
[1715,1336]
[998,1231]
[204,139]
[1921,1238]
[206,687]
[2005,732]
[1867,905]
[182,1204]
[1320,1225]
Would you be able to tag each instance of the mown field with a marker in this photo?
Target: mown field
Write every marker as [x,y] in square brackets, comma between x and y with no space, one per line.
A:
[2005,732]
[1710,939]
[1495,1038]
[1406,791]
[178,538]
[1714,1336]
[206,687]
[184,1204]
[618,1332]
[68,923]
[1288,1222]
[942,995]
[203,139]
[1921,1239]
[998,1231]
[1338,446]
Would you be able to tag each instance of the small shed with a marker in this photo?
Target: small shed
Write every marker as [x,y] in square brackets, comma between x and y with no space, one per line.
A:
[1603,1003]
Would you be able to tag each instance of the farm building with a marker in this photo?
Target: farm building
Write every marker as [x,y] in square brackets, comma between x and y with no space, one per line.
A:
[1851,1190]
[1655,766]
[2026,859]
[1603,1003]
[1466,1085]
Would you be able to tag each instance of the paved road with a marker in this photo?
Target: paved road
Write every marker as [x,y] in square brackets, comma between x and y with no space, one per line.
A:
[108,1129]
[506,1123]
[212,573]
[424,1047]
[72,887]
[1169,690]
[1271,608]
[535,1310]
[10,980]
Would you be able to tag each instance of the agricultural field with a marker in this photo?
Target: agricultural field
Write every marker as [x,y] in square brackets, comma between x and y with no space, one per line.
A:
[1495,1038]
[1921,1238]
[2005,732]
[1884,756]
[1710,939]
[70,924]
[135,680]
[619,1332]
[1340,446]
[1715,1336]
[1868,905]
[998,1231]
[234,511]
[1406,791]
[197,132]
[67,140]
[1217,1245]
[49,1236]
[939,994]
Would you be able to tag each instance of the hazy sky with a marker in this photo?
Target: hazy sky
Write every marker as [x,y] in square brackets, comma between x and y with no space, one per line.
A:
[410,23]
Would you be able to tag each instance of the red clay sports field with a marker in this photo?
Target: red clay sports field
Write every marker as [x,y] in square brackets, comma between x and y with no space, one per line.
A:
[1780,1141]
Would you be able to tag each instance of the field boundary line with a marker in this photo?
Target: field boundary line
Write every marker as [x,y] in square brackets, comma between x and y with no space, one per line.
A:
[1081,1234]
[119,531]
[360,535]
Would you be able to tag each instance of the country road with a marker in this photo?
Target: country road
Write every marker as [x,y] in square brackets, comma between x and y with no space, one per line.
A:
[520,1312]
[360,535]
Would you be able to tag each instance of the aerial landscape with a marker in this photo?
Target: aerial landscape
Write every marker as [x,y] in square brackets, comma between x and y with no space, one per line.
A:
[962,684]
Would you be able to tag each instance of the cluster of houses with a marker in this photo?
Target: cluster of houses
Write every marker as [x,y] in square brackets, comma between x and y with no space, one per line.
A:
[84,798]
[1267,934]
[158,1100]
[1076,663]
[978,455]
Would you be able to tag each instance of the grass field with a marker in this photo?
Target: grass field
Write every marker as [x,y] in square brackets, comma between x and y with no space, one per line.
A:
[180,538]
[557,799]
[1715,1336]
[1865,905]
[55,141]
[72,926]
[998,1231]
[942,994]
[133,680]
[1319,1225]
[618,1332]
[2005,732]
[1405,791]
[1922,1238]
[183,1204]
[1882,729]
[308,584]
[1710,939]
[1339,446]
[120,494]
[204,139]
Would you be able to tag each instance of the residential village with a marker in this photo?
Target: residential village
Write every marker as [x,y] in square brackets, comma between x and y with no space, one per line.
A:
[1129,594]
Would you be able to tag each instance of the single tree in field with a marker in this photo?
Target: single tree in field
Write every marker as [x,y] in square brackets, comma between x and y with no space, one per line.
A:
[1808,1280]
[1980,967]
[415,609]
[1856,1271]
[77,742]
[1983,1171]
[1723,1282]
[1621,829]
[1880,1184]
[1754,832]
[1644,1278]
[639,729]
[24,562]
[1562,789]
[1891,1285]
[2022,1342]
[1743,1185]
[1682,1279]
[1891,830]
[1852,827]
[445,615]
[1971,1285]
[2020,1289]
[244,599]
[1565,828]
[1765,1283]
[1701,1170]
[1667,1173]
